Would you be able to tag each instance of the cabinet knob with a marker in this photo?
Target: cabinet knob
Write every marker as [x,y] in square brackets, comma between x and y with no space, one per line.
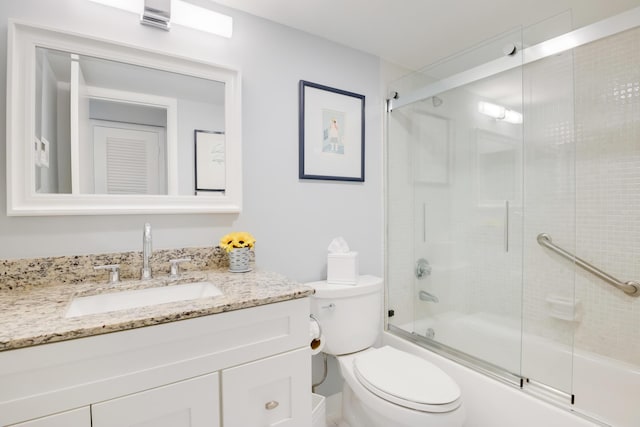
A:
[271,405]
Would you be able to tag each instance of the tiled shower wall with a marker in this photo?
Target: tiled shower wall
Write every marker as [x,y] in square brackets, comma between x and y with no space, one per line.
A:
[607,111]
[550,202]
[582,186]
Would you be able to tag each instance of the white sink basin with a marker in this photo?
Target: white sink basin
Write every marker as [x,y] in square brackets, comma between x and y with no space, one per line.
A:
[103,303]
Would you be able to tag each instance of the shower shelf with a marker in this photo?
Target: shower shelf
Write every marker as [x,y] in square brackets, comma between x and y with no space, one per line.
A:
[564,308]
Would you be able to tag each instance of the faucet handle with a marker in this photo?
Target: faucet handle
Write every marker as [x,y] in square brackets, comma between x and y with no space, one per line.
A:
[423,269]
[175,267]
[114,272]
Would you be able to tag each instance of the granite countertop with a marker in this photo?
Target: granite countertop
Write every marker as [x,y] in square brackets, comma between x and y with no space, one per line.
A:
[35,315]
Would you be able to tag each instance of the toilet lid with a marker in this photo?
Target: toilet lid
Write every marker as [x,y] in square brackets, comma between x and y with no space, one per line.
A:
[406,380]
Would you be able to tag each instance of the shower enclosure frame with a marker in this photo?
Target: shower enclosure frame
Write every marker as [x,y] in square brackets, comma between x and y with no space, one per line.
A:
[554,46]
[581,36]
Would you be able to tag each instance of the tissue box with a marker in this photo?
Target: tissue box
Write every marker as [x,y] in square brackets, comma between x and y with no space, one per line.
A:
[342,268]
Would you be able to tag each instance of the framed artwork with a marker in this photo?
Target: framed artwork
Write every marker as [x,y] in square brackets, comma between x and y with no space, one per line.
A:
[331,133]
[210,167]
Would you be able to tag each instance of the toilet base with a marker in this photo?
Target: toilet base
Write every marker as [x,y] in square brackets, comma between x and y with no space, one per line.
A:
[361,408]
[358,415]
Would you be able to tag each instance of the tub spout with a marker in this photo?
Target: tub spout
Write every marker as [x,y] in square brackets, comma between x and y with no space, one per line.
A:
[426,296]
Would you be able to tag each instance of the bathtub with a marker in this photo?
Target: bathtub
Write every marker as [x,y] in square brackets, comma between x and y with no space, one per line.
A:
[604,389]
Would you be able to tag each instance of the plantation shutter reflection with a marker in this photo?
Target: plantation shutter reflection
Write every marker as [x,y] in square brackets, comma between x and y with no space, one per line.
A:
[127,161]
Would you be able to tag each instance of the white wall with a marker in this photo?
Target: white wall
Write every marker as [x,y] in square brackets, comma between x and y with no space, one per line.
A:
[292,220]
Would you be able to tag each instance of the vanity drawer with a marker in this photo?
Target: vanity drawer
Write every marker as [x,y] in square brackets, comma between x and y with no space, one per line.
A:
[269,392]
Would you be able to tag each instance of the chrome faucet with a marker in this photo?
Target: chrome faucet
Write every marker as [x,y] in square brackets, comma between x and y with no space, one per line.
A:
[145,273]
[426,296]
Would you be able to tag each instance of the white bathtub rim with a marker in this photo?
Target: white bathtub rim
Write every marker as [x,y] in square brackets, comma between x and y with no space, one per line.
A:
[517,407]
[538,340]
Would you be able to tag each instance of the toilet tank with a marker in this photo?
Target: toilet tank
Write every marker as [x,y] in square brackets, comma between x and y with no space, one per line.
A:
[350,315]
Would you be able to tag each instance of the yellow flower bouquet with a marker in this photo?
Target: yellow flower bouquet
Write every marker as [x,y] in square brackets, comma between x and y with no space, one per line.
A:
[238,245]
[238,239]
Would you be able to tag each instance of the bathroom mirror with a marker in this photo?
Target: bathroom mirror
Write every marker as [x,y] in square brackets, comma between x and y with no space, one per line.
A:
[95,127]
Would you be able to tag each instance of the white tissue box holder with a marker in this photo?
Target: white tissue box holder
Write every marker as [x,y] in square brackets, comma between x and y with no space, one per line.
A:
[342,268]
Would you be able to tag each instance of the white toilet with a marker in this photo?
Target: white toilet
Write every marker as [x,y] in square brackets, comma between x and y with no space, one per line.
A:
[383,387]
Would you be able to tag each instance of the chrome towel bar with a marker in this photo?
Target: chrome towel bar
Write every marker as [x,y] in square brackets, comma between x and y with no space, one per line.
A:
[629,288]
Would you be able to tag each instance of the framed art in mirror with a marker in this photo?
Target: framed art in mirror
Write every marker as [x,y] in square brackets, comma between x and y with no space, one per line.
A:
[210,166]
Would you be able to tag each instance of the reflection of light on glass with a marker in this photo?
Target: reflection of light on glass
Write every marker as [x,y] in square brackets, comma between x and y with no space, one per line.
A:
[184,14]
[557,45]
[512,117]
[499,112]
[491,110]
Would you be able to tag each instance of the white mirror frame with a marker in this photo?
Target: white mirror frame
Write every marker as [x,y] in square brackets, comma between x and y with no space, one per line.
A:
[22,199]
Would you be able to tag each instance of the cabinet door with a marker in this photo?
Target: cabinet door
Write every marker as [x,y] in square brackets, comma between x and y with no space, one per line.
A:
[270,392]
[80,417]
[190,403]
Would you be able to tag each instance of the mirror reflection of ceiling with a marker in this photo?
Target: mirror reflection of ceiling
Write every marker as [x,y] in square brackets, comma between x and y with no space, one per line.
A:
[109,75]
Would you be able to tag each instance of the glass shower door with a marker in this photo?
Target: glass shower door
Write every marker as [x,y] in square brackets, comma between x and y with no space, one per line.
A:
[471,221]
[459,201]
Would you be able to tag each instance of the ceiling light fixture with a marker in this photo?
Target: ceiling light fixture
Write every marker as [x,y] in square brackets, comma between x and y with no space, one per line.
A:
[158,14]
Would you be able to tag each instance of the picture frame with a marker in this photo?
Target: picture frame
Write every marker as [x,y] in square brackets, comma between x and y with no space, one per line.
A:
[210,161]
[331,133]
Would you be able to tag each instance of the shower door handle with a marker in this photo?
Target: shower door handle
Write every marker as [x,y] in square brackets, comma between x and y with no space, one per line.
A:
[506,226]
[424,223]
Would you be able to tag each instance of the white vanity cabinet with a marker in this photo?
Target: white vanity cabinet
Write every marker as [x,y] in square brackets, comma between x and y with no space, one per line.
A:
[242,368]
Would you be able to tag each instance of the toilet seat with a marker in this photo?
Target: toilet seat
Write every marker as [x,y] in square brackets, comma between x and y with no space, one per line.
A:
[406,380]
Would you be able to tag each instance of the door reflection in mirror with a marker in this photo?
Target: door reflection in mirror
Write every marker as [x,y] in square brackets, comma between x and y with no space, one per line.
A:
[117,128]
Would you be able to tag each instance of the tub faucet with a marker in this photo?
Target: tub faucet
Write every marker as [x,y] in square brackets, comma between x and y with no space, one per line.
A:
[145,273]
[426,296]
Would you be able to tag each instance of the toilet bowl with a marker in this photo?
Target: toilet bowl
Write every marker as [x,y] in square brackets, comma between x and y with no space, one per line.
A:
[384,386]
[394,388]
